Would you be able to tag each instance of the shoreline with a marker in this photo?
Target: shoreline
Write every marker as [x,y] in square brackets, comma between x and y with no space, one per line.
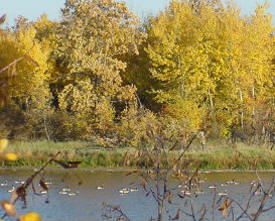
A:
[122,170]
[217,157]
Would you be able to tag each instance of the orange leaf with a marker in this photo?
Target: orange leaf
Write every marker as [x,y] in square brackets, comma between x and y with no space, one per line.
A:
[9,208]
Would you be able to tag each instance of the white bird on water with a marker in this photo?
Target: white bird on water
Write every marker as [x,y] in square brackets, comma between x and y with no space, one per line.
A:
[124,191]
[63,192]
[11,190]
[212,187]
[5,183]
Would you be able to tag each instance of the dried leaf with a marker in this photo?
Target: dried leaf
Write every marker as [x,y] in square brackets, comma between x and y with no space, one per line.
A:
[177,216]
[43,185]
[143,185]
[3,19]
[224,207]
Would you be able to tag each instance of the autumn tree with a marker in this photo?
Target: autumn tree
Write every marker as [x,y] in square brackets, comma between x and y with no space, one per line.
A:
[93,38]
[27,92]
[202,63]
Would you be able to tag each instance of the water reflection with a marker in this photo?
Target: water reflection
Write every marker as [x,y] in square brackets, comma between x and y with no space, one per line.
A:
[79,194]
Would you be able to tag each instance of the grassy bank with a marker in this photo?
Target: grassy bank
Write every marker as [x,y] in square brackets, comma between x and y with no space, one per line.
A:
[214,157]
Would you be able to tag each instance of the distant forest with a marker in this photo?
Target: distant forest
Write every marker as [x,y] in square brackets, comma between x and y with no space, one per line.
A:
[103,74]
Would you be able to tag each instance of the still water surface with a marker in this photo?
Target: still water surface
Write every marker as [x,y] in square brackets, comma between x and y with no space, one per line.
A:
[85,198]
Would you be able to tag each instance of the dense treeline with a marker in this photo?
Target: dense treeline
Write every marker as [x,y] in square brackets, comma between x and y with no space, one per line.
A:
[101,74]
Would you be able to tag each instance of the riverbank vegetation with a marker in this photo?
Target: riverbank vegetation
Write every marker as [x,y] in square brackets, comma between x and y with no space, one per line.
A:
[238,157]
[102,76]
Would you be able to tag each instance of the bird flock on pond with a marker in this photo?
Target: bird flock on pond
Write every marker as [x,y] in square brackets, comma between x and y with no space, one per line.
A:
[124,191]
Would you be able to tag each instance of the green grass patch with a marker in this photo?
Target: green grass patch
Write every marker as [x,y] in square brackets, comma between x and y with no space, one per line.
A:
[215,157]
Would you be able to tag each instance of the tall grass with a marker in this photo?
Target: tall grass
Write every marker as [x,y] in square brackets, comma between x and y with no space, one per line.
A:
[216,156]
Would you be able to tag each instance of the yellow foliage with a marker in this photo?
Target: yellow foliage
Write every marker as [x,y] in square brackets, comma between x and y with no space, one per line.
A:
[30,84]
[7,156]
[10,156]
[31,216]
[3,144]
[207,61]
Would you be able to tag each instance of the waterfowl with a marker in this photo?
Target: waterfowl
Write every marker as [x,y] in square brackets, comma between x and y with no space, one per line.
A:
[11,190]
[222,194]
[72,194]
[232,182]
[19,182]
[63,192]
[5,183]
[212,187]
[43,192]
[134,190]
[124,191]
[66,189]
[198,192]
[100,188]
[185,192]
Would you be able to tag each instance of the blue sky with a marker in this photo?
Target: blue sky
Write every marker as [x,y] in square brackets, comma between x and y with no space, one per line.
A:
[34,8]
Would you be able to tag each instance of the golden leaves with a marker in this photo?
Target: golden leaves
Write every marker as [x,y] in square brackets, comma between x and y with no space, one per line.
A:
[31,216]
[10,156]
[3,144]
[7,156]
[201,63]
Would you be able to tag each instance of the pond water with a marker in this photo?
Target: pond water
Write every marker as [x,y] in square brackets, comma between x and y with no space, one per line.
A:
[84,200]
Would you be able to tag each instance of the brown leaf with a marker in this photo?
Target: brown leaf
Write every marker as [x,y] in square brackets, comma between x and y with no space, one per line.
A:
[169,196]
[43,185]
[143,185]
[224,207]
[3,19]
[177,216]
